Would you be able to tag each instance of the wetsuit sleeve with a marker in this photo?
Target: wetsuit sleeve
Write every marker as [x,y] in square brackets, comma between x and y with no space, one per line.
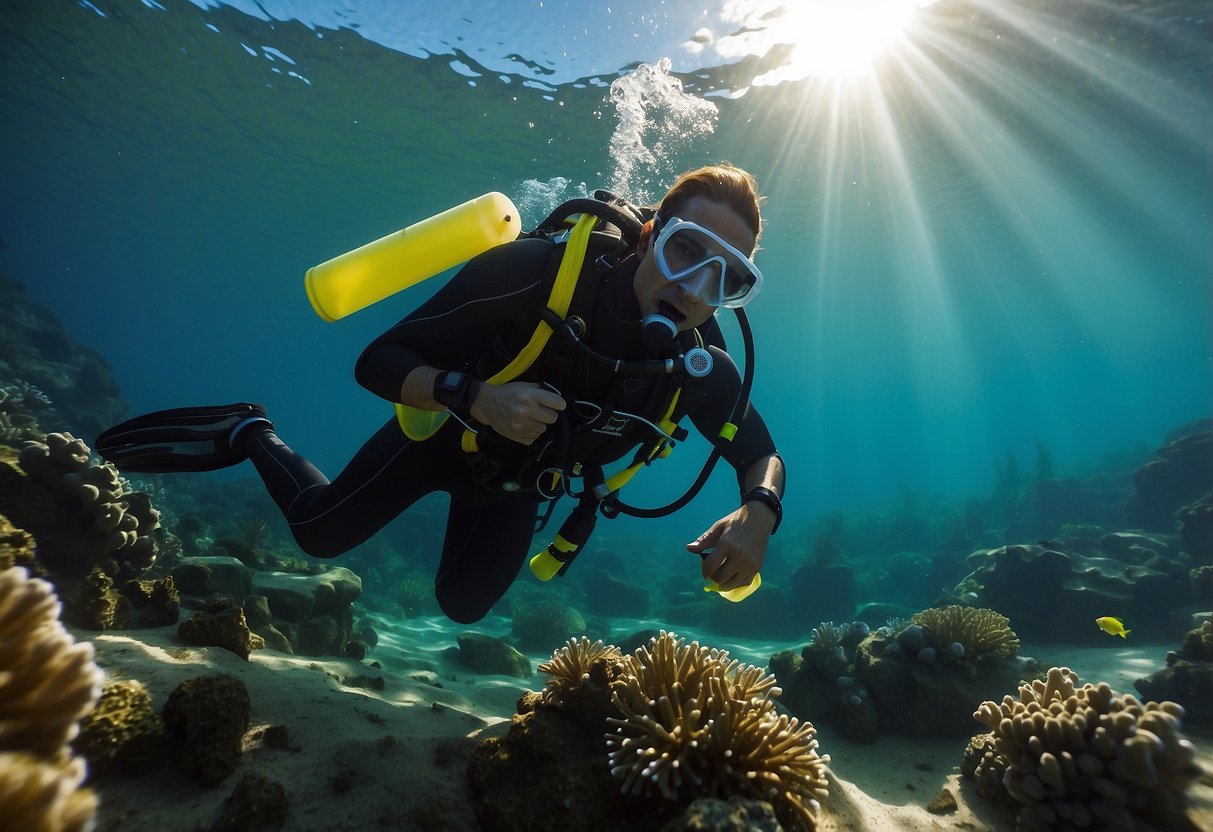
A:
[711,403]
[499,290]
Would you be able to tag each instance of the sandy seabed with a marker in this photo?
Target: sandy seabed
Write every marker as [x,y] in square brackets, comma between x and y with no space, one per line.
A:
[362,759]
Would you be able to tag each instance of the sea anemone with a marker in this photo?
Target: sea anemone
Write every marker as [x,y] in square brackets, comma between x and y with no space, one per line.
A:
[826,636]
[569,667]
[699,724]
[982,633]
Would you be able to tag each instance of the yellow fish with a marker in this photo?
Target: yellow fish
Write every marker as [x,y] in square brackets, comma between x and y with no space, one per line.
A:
[1112,626]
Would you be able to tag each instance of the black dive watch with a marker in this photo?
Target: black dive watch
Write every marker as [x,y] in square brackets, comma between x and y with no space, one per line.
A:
[770,499]
[455,390]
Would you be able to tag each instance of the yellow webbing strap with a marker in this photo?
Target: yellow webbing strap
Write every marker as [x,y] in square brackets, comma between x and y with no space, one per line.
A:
[420,424]
[621,478]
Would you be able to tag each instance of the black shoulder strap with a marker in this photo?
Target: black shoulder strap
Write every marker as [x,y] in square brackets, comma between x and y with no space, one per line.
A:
[613,237]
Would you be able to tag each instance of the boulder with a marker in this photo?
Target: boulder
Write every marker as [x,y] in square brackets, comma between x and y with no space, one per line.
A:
[491,656]
[295,597]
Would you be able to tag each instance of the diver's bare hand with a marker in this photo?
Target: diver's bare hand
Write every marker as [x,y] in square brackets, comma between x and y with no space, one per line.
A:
[734,548]
[519,410]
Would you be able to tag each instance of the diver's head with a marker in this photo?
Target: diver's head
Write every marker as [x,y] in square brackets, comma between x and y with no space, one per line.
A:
[695,253]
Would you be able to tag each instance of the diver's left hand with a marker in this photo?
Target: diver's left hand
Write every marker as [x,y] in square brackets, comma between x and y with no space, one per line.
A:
[734,548]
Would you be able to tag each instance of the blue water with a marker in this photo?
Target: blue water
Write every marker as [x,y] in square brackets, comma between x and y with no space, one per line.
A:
[1004,240]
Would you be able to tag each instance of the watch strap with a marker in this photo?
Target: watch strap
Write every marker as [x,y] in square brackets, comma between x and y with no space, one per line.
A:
[455,390]
[770,499]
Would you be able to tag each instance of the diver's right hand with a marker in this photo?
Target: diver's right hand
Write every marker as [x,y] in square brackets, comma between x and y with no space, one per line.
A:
[518,410]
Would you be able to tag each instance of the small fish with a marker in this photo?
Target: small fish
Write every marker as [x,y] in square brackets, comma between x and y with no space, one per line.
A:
[1112,626]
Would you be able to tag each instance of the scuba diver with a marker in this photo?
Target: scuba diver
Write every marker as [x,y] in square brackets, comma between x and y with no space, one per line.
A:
[630,350]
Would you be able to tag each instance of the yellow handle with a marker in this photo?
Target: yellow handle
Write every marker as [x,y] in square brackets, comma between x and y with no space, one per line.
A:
[735,595]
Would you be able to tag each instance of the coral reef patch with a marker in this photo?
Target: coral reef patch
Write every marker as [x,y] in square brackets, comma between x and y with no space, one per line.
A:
[674,723]
[1087,757]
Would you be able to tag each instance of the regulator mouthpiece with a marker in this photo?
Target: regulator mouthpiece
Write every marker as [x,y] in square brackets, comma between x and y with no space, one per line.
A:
[656,331]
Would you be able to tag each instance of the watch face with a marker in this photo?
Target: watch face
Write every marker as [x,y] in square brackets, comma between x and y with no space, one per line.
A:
[450,382]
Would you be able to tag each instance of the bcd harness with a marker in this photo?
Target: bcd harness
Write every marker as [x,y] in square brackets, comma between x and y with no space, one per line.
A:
[611,226]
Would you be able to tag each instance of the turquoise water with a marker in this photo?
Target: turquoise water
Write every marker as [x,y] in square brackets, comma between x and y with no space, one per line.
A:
[1004,239]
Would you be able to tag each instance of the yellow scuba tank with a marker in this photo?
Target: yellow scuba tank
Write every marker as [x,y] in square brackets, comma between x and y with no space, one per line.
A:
[366,275]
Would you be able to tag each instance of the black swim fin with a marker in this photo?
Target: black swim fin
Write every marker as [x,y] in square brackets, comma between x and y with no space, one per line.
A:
[184,439]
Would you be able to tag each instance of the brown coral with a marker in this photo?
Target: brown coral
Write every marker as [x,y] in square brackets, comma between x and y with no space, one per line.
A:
[569,667]
[120,522]
[983,633]
[1089,757]
[47,683]
[699,724]
[39,796]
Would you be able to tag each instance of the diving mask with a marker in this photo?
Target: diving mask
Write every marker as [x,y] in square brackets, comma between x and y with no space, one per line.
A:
[712,268]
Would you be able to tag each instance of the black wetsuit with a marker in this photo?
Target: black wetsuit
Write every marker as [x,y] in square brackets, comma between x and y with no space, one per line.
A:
[477,323]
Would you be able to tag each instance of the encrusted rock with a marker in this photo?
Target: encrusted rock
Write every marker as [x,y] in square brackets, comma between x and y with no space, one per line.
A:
[153,603]
[17,546]
[256,803]
[221,626]
[206,718]
[123,733]
[737,814]
[943,803]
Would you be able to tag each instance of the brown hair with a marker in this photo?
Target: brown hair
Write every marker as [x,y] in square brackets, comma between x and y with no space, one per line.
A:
[724,183]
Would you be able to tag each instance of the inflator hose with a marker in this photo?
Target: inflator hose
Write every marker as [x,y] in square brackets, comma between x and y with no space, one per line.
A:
[743,400]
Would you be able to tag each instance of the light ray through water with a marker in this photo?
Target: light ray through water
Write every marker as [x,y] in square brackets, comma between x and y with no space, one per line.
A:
[1082,217]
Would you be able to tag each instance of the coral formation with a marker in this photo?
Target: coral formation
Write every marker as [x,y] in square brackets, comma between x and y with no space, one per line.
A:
[980,632]
[121,524]
[903,677]
[683,724]
[95,536]
[47,683]
[206,718]
[1187,678]
[1089,757]
[122,732]
[569,667]
[40,796]
[696,723]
